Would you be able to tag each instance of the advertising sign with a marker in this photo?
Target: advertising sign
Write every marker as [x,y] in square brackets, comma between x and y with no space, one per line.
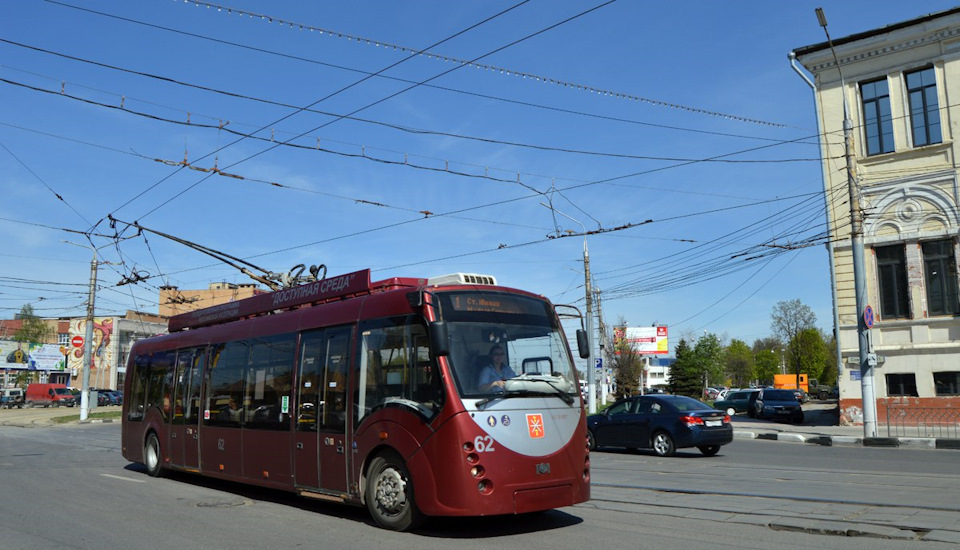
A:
[29,356]
[643,340]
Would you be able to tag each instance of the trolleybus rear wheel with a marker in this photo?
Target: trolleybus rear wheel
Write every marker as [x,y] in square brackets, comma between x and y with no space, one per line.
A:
[389,494]
[151,456]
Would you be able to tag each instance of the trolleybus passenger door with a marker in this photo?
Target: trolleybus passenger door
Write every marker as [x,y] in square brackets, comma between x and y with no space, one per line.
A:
[221,439]
[187,406]
[320,441]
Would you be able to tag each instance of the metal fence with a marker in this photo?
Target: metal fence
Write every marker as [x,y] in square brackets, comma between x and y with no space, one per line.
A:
[909,421]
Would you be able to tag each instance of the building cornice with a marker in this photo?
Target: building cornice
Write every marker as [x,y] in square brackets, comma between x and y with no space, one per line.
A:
[941,35]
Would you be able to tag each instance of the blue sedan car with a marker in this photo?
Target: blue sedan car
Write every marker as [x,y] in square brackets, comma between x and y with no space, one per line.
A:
[663,423]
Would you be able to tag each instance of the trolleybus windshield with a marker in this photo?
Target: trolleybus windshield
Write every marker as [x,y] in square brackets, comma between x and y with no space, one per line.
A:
[524,329]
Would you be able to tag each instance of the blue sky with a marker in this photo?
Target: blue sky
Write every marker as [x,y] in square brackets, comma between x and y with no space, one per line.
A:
[675,132]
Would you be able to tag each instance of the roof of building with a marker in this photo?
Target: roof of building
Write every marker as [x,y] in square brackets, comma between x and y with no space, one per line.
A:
[804,50]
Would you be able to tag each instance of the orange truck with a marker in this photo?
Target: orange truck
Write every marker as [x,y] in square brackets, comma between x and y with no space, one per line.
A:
[789,382]
[812,387]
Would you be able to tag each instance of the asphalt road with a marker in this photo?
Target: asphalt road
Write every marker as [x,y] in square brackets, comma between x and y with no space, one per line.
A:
[69,487]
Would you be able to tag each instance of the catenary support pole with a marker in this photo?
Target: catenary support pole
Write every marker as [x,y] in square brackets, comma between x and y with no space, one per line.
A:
[867,361]
[88,344]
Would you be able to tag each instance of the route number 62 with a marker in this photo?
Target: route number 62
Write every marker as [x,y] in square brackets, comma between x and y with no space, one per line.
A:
[483,444]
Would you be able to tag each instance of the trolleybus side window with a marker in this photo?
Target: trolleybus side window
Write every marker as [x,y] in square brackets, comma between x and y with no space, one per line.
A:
[160,382]
[224,397]
[138,388]
[396,368]
[323,380]
[266,402]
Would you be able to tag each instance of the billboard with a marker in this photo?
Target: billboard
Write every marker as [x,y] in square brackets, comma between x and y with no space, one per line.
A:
[30,356]
[643,340]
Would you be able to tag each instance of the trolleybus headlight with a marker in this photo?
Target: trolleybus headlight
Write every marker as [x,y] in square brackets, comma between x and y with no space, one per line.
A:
[477,471]
[485,486]
[473,458]
[468,446]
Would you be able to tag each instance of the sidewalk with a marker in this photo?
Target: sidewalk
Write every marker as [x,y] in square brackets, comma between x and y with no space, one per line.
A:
[39,417]
[820,428]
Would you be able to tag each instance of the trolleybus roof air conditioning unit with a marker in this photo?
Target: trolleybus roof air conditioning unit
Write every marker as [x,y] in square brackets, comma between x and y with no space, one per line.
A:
[462,279]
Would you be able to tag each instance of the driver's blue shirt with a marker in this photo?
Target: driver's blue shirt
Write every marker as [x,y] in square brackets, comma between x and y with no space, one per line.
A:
[489,375]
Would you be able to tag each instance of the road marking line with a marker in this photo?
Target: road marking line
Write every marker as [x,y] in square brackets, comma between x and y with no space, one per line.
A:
[123,478]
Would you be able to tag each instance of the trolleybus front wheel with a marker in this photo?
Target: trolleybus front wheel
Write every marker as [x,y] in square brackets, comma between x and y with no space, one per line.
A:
[389,494]
[151,456]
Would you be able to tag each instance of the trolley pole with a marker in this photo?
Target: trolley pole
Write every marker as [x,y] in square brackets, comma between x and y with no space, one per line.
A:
[88,343]
[867,361]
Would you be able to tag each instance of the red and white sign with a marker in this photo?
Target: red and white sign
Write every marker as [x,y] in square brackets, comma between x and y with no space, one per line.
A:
[77,341]
[644,340]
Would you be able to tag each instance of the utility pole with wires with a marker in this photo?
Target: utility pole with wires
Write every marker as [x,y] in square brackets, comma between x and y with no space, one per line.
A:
[867,360]
[602,336]
[88,343]
[591,362]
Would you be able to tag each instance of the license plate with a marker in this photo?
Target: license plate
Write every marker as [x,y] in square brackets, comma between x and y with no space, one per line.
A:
[713,423]
[783,412]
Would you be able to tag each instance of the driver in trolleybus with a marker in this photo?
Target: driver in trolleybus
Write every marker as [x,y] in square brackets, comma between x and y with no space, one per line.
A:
[493,375]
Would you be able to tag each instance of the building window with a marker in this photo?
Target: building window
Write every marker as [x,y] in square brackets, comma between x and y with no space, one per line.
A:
[63,339]
[892,275]
[902,385]
[924,106]
[940,275]
[947,383]
[878,123]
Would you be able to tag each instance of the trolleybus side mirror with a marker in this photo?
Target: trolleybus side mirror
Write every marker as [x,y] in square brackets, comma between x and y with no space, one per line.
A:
[583,344]
[439,338]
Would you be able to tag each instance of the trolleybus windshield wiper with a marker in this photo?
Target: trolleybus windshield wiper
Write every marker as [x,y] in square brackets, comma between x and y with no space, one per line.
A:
[528,393]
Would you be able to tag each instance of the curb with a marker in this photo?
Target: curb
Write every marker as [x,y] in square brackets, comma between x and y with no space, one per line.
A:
[831,440]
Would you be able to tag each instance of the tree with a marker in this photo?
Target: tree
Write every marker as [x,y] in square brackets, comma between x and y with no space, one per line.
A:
[32,331]
[627,367]
[32,328]
[830,372]
[685,378]
[709,359]
[766,359]
[739,362]
[788,320]
[811,353]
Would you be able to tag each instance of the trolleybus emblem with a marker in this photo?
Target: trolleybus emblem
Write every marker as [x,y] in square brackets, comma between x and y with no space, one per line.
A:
[535,425]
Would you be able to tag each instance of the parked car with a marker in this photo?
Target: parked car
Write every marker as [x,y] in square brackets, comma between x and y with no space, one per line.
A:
[778,404]
[737,401]
[660,422]
[11,397]
[47,395]
[103,397]
[108,397]
[801,395]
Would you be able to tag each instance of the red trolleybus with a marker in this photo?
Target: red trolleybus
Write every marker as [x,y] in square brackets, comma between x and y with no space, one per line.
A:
[369,393]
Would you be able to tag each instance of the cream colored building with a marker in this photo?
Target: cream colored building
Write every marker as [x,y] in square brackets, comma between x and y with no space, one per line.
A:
[902,87]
